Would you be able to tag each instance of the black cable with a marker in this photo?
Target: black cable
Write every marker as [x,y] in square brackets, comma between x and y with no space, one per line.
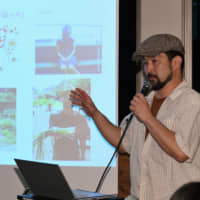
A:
[145,90]
[107,169]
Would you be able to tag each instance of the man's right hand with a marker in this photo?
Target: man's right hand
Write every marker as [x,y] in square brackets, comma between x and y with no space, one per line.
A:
[110,132]
[80,98]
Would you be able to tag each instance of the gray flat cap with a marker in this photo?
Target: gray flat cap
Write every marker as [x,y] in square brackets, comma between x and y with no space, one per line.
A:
[157,44]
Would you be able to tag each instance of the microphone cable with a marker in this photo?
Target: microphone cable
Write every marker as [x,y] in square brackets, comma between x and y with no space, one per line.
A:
[145,90]
[108,167]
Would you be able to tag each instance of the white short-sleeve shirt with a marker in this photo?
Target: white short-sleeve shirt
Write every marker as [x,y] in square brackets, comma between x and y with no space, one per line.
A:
[155,175]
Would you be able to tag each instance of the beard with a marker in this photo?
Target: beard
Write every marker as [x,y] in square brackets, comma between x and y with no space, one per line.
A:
[157,85]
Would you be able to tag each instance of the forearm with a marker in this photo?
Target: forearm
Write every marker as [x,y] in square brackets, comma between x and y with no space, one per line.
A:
[165,138]
[69,56]
[109,131]
[65,58]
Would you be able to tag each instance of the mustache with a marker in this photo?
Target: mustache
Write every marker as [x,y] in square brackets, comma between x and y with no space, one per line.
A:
[151,76]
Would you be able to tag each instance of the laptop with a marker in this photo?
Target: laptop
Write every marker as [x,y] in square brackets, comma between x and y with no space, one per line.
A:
[46,181]
[22,180]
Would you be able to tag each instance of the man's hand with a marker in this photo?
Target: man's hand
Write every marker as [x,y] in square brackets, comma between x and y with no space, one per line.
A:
[109,131]
[81,98]
[140,107]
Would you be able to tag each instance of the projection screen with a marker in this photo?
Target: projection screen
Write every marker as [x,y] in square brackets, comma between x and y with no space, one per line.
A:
[48,48]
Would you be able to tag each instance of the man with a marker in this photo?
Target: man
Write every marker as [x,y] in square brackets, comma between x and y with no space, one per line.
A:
[66,49]
[163,139]
[75,144]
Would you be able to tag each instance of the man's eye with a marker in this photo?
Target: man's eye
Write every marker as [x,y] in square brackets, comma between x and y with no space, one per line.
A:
[154,61]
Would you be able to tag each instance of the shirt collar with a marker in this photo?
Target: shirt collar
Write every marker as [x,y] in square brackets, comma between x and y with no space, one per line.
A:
[178,90]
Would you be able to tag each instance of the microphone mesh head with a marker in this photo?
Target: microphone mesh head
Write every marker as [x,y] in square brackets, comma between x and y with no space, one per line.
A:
[147,87]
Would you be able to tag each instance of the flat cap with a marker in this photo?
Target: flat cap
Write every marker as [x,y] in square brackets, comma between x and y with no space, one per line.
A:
[157,44]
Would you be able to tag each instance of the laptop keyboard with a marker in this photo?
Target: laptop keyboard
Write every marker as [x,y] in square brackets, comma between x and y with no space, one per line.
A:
[83,194]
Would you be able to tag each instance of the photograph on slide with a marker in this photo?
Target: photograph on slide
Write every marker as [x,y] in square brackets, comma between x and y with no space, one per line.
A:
[68,49]
[7,119]
[60,131]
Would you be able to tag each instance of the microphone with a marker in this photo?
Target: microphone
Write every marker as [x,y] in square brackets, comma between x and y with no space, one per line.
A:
[147,87]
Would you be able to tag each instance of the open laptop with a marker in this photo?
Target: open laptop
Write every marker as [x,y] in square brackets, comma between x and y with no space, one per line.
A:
[46,181]
[23,181]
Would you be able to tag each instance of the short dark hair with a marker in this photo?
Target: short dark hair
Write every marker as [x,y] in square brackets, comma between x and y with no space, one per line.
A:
[189,191]
[172,54]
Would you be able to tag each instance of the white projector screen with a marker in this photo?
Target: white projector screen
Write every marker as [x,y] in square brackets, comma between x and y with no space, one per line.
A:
[48,48]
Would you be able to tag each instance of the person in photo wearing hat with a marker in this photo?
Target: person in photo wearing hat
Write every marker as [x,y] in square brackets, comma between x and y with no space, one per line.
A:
[163,137]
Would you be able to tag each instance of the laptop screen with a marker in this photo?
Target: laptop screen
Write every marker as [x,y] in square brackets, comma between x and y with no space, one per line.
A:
[45,180]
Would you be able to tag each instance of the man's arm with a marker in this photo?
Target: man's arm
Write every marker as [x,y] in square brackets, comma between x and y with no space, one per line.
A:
[164,137]
[110,132]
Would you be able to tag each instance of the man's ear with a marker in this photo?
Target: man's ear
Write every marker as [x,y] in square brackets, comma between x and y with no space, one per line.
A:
[176,62]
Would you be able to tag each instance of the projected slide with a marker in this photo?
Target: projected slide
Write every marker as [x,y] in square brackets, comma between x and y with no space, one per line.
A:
[48,48]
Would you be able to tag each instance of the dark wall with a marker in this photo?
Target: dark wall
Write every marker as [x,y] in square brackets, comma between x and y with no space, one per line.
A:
[127,44]
[196,44]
